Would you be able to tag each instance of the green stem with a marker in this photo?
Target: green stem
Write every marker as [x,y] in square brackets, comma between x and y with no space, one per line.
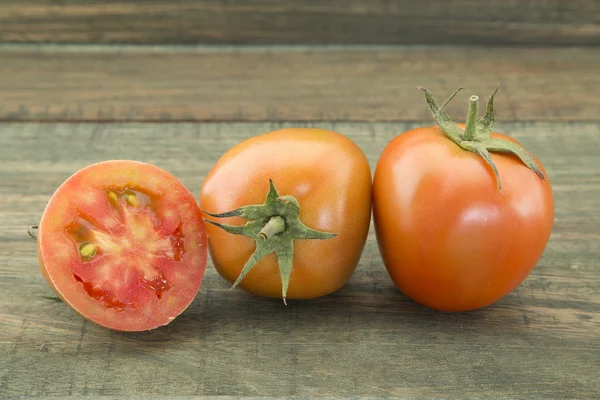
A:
[275,225]
[476,137]
[471,124]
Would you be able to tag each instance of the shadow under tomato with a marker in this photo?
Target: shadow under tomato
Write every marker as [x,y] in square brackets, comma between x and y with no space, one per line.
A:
[218,313]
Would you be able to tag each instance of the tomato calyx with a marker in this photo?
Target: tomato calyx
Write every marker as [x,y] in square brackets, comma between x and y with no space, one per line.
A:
[476,137]
[274,225]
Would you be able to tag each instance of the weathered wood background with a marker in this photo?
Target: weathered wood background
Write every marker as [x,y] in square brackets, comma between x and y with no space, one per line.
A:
[367,339]
[290,83]
[84,81]
[540,22]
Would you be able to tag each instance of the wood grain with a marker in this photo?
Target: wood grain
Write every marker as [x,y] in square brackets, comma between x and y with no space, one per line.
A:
[291,83]
[541,341]
[539,22]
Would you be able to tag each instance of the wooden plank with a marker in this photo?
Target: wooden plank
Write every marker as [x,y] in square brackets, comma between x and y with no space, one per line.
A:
[292,83]
[541,341]
[545,22]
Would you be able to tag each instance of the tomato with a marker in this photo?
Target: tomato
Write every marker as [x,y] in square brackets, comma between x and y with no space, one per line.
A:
[123,243]
[453,234]
[311,229]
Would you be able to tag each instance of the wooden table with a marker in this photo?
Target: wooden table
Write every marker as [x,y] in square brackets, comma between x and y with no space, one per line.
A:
[63,107]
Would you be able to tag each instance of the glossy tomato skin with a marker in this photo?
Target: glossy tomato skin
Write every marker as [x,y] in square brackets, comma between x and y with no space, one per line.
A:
[154,255]
[329,176]
[449,238]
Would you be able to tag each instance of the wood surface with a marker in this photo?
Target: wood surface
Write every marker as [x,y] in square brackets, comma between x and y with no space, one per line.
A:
[539,22]
[84,83]
[541,341]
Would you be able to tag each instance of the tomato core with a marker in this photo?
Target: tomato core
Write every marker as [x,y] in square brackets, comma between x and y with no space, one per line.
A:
[133,248]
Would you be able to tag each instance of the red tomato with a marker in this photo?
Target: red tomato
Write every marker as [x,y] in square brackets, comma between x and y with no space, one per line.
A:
[449,238]
[329,177]
[123,243]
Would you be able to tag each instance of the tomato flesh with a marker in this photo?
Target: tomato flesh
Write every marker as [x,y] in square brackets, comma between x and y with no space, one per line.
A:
[124,244]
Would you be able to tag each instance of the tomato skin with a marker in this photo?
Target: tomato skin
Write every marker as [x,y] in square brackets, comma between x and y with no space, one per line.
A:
[174,209]
[329,176]
[448,238]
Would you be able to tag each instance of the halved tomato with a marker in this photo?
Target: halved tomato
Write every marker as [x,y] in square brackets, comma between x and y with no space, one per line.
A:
[123,243]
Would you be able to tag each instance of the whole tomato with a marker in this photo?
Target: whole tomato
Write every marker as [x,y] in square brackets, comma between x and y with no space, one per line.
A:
[462,215]
[293,209]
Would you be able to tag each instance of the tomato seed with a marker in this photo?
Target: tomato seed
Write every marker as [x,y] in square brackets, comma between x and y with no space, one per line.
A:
[113,198]
[87,250]
[131,199]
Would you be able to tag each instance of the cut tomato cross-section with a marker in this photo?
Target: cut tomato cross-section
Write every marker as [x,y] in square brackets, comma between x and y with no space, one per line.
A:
[124,244]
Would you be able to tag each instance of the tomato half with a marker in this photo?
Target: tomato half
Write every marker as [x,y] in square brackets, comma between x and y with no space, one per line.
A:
[123,243]
[449,237]
[328,176]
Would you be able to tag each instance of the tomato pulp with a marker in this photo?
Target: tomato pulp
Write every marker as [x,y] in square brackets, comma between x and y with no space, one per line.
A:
[124,244]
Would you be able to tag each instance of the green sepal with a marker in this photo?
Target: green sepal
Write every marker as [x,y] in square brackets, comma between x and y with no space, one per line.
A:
[476,137]
[273,225]
[504,146]
[486,123]
[446,124]
[285,256]
[263,248]
[250,229]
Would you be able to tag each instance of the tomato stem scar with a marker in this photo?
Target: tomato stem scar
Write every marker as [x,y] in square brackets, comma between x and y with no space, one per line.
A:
[273,225]
[87,250]
[476,137]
